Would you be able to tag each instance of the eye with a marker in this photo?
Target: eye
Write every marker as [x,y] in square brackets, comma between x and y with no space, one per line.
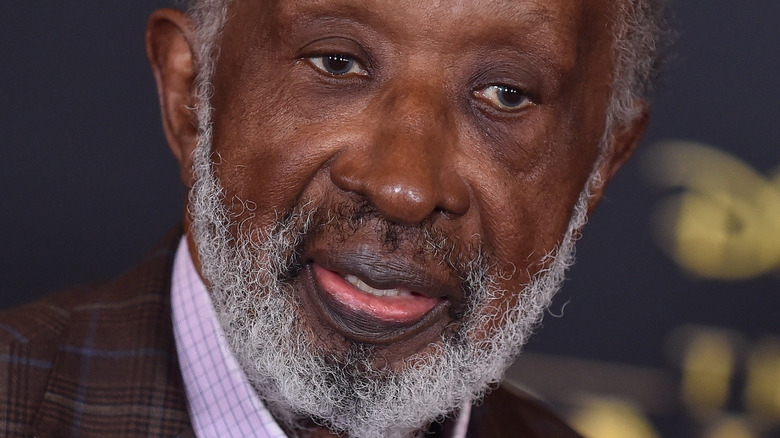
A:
[338,65]
[504,97]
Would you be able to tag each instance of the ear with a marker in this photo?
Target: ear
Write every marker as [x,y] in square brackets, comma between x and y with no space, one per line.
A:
[624,140]
[169,47]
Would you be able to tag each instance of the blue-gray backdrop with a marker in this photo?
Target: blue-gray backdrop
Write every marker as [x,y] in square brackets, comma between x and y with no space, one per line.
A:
[88,184]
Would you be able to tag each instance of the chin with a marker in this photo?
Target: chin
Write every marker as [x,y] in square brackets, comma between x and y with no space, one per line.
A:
[369,335]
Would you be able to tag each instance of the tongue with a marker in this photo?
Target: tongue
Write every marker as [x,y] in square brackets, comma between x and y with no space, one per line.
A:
[401,308]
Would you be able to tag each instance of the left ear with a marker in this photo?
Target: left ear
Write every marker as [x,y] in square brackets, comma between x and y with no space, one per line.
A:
[170,49]
[621,146]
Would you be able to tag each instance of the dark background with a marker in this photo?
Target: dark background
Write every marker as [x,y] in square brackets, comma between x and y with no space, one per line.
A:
[88,184]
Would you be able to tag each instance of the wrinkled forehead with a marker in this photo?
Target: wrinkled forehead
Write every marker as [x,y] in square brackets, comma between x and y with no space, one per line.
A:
[559,29]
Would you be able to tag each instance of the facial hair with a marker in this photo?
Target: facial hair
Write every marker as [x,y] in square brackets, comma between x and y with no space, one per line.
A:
[249,272]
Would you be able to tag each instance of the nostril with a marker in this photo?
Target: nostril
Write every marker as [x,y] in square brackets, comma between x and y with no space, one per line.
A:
[455,206]
[443,212]
[346,175]
[455,197]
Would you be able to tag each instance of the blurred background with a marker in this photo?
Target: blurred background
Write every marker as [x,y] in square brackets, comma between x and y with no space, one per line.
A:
[668,326]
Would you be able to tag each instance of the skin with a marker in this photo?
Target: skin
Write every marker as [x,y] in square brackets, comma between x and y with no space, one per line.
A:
[413,130]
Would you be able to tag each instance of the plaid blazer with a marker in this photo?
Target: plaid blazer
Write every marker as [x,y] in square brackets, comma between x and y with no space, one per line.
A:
[101,361]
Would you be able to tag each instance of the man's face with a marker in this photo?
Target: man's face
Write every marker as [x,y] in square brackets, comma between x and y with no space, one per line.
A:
[479,120]
[412,166]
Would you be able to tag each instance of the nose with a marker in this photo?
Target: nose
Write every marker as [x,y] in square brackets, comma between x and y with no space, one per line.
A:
[404,167]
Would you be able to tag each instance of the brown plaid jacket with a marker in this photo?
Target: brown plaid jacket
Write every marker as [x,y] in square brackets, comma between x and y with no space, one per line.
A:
[101,361]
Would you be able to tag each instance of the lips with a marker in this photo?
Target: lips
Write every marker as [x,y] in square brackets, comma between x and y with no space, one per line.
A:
[370,298]
[392,306]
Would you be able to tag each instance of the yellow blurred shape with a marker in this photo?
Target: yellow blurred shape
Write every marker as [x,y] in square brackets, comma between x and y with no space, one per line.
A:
[708,364]
[605,418]
[726,222]
[730,428]
[762,392]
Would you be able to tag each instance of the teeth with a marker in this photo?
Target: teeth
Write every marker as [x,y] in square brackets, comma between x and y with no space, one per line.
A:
[358,283]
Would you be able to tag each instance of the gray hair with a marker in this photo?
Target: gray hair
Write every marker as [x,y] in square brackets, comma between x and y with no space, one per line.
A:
[641,37]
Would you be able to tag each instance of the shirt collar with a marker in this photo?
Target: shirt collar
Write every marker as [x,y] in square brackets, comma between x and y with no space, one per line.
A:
[222,403]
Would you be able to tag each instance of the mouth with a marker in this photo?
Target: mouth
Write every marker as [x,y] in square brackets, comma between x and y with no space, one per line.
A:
[367,299]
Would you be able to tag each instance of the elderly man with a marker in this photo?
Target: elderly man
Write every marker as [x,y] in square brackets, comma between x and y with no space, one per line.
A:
[383,198]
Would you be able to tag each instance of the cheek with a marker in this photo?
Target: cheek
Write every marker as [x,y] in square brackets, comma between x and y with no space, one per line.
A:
[522,227]
[522,223]
[264,154]
[275,141]
[524,215]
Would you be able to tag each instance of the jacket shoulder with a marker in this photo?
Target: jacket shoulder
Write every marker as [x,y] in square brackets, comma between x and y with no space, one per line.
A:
[29,339]
[47,344]
[41,322]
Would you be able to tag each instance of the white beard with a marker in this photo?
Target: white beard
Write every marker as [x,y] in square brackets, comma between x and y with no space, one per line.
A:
[256,306]
[298,381]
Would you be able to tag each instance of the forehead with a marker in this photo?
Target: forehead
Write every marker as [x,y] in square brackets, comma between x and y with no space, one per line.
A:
[557,29]
[467,15]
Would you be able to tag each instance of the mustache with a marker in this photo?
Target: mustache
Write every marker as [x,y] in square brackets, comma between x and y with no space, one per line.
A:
[424,242]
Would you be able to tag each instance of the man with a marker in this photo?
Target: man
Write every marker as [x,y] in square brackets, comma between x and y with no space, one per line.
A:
[383,199]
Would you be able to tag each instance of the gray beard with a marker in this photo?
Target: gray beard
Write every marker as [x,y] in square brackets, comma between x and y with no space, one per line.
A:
[253,297]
